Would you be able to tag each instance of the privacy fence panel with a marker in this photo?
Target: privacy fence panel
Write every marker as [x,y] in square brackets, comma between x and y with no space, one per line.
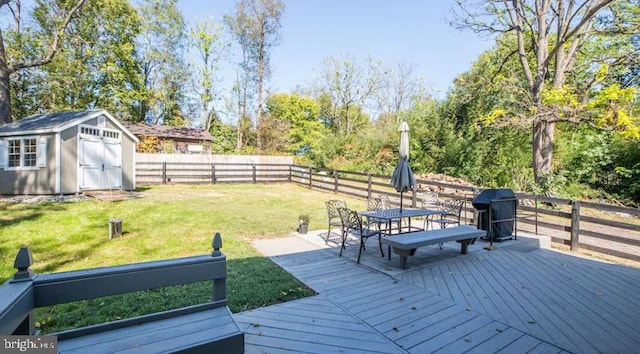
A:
[211,169]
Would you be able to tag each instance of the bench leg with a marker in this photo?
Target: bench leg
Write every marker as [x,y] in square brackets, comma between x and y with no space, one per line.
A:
[404,254]
[465,245]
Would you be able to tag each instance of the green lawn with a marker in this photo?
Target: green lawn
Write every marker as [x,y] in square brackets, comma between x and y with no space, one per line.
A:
[167,222]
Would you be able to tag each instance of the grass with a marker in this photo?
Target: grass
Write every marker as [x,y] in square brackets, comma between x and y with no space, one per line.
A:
[168,222]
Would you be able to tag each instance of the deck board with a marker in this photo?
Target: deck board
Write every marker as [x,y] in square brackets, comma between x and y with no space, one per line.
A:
[603,328]
[157,336]
[597,326]
[451,334]
[619,292]
[520,345]
[539,314]
[510,300]
[474,338]
[498,342]
[411,316]
[305,327]
[393,306]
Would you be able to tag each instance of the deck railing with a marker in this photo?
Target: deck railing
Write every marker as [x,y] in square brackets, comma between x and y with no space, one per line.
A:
[602,228]
[26,291]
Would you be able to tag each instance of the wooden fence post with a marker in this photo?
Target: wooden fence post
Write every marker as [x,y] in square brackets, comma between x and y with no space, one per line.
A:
[290,173]
[535,199]
[368,185]
[575,225]
[475,213]
[310,175]
[413,196]
[335,181]
[164,172]
[253,169]
[213,173]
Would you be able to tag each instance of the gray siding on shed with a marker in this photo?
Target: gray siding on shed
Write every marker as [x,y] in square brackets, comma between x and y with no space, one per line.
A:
[69,160]
[128,164]
[33,181]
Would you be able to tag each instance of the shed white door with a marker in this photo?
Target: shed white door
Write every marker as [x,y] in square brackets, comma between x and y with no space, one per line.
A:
[100,158]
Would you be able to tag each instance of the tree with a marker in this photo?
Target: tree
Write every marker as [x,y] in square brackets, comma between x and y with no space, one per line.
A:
[398,89]
[244,72]
[458,141]
[550,35]
[345,87]
[161,49]
[256,26]
[207,38]
[58,14]
[95,66]
[301,131]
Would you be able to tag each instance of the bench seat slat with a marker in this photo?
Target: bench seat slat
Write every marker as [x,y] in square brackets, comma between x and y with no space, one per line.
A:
[166,335]
[424,238]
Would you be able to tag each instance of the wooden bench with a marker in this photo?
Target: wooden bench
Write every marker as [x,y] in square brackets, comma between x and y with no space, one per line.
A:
[405,245]
[202,328]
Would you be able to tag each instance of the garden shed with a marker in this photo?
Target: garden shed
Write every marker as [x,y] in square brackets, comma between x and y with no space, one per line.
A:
[66,153]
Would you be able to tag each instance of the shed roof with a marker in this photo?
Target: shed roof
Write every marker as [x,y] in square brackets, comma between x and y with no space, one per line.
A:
[165,131]
[56,122]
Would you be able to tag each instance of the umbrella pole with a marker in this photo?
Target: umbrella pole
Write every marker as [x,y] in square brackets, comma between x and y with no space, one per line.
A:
[401,201]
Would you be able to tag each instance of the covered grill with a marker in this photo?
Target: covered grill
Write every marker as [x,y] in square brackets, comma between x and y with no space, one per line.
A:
[500,210]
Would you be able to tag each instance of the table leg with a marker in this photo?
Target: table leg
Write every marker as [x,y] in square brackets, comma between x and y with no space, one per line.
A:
[389,233]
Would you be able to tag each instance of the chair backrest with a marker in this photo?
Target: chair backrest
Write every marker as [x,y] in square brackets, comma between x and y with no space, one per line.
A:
[386,203]
[374,204]
[452,207]
[350,219]
[428,200]
[332,208]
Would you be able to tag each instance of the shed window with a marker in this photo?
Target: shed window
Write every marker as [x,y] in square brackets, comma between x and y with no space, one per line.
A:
[23,152]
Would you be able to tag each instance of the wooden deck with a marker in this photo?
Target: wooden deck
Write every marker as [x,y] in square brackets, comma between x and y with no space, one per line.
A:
[515,299]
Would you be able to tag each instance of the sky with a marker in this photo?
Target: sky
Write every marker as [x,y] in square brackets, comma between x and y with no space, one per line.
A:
[414,31]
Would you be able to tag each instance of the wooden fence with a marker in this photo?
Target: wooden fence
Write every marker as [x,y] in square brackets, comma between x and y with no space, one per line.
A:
[213,173]
[602,228]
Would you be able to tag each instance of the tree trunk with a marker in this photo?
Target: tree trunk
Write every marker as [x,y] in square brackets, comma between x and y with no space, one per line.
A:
[5,94]
[261,72]
[543,134]
[239,136]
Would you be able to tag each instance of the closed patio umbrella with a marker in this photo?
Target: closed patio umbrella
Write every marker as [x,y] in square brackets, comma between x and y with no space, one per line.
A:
[402,178]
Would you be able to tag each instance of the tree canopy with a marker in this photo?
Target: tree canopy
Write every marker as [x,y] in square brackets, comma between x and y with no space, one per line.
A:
[552,106]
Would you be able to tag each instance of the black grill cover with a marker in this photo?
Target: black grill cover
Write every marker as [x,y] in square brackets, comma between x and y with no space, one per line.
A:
[499,211]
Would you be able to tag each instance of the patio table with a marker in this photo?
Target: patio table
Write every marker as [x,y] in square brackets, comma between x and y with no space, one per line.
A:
[397,214]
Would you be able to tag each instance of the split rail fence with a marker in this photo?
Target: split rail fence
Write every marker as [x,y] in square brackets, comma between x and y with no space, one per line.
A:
[603,228]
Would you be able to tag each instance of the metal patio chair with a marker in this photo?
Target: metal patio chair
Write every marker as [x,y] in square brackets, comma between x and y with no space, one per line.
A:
[353,225]
[450,213]
[334,217]
[428,200]
[383,201]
